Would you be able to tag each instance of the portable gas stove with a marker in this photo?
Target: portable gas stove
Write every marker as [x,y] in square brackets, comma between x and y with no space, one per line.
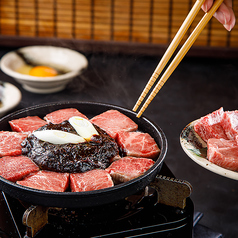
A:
[146,214]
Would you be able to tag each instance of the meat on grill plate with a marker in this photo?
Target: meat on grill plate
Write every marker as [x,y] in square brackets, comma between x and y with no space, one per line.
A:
[15,168]
[61,115]
[10,142]
[27,124]
[90,165]
[46,180]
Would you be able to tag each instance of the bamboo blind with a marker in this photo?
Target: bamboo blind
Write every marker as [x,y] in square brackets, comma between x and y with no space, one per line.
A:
[143,21]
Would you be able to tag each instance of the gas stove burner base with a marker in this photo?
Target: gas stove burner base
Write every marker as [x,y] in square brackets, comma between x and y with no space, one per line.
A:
[139,215]
[158,220]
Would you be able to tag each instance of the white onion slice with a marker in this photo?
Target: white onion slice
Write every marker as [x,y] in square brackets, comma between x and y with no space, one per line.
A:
[58,137]
[83,127]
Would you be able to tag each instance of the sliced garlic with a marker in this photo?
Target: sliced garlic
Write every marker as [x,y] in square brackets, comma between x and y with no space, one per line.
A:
[58,137]
[83,127]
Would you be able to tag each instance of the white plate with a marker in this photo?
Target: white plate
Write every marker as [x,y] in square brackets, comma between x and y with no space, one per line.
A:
[11,98]
[196,149]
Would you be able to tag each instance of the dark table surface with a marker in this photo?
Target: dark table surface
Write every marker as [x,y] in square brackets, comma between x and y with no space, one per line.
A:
[197,87]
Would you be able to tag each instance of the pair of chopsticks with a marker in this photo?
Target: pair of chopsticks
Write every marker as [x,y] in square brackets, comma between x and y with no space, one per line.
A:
[182,52]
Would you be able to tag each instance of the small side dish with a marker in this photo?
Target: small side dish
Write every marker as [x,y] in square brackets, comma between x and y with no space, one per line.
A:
[1,93]
[212,141]
[10,97]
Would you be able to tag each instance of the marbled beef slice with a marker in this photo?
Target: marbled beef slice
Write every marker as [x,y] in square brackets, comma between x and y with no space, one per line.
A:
[230,124]
[210,126]
[10,143]
[113,121]
[56,117]
[92,180]
[15,168]
[128,168]
[137,144]
[47,180]
[27,124]
[223,153]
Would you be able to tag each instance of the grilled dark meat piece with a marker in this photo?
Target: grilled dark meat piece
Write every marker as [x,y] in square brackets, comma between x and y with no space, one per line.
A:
[71,158]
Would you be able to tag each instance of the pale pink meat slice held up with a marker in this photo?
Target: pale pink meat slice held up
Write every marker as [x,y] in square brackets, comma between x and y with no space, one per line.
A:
[223,153]
[128,168]
[210,126]
[137,144]
[113,121]
[92,180]
[27,124]
[10,143]
[61,115]
[47,180]
[14,168]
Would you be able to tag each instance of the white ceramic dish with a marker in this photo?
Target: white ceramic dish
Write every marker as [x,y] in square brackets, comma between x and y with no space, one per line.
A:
[52,56]
[10,99]
[196,149]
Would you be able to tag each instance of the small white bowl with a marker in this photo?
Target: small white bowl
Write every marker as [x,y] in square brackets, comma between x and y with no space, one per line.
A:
[52,56]
[11,97]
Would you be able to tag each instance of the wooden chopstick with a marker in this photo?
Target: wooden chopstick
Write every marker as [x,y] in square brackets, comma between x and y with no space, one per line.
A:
[170,50]
[182,52]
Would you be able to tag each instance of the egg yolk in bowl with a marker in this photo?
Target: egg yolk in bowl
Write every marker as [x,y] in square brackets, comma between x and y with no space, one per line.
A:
[43,71]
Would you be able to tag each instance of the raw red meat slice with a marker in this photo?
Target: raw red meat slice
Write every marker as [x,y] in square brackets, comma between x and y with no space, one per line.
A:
[61,115]
[113,121]
[27,124]
[210,126]
[92,180]
[47,180]
[10,142]
[223,153]
[230,124]
[221,143]
[128,168]
[15,168]
[137,144]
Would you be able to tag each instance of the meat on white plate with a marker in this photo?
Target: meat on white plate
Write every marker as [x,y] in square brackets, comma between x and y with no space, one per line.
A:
[230,124]
[210,126]
[223,153]
[220,130]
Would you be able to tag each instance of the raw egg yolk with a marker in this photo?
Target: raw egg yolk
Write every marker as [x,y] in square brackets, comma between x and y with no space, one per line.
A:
[43,71]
